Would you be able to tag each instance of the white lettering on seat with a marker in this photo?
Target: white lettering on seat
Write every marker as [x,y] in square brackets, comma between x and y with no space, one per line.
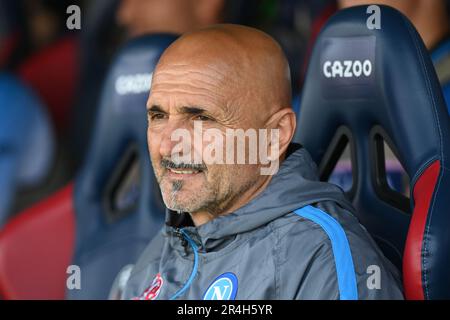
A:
[347,68]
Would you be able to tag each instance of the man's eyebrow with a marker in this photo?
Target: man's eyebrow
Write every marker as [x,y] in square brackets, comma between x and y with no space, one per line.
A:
[155,108]
[192,110]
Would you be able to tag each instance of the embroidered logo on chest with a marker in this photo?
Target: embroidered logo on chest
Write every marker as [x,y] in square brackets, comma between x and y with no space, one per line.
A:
[153,291]
[224,287]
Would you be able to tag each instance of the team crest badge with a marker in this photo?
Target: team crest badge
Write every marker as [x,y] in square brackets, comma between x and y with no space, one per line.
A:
[224,287]
[153,291]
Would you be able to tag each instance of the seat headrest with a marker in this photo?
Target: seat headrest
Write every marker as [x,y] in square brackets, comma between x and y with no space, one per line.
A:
[362,77]
[27,143]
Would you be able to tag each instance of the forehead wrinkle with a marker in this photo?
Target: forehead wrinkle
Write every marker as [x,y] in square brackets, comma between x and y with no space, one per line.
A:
[216,67]
[186,89]
[209,77]
[194,84]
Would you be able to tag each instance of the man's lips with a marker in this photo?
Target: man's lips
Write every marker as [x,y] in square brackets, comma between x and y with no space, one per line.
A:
[182,173]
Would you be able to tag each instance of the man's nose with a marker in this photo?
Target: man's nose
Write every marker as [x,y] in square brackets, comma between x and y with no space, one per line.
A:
[175,140]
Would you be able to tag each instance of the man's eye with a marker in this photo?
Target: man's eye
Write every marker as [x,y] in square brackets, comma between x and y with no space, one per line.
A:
[156,116]
[202,118]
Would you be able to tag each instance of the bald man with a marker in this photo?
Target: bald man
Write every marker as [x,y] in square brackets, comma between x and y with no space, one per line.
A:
[235,230]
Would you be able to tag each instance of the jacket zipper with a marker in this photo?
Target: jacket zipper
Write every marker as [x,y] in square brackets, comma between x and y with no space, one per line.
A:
[187,240]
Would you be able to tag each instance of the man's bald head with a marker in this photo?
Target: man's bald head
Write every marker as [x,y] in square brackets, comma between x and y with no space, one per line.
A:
[229,78]
[246,63]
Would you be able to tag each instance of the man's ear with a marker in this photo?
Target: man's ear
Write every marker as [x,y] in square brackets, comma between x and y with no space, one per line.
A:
[285,121]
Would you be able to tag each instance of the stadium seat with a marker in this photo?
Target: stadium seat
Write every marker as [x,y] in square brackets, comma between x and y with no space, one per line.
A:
[36,247]
[112,209]
[27,145]
[57,63]
[366,87]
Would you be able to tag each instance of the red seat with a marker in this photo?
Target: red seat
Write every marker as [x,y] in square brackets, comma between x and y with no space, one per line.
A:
[7,46]
[36,247]
[53,73]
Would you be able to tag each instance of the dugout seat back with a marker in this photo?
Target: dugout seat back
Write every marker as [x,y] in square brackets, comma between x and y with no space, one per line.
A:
[367,86]
[53,73]
[117,201]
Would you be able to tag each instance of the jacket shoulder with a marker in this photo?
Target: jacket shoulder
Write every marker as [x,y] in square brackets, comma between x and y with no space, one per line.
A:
[330,253]
[304,261]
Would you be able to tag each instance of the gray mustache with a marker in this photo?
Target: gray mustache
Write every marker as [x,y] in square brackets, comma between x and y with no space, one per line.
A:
[168,164]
